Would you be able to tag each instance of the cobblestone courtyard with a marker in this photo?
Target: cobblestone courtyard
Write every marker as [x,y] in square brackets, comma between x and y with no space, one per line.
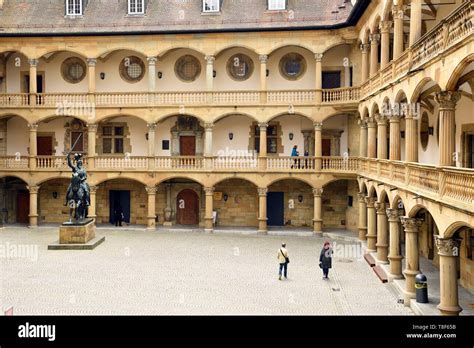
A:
[155,273]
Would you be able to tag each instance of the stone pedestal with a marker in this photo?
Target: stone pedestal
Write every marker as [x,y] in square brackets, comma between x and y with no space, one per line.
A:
[77,233]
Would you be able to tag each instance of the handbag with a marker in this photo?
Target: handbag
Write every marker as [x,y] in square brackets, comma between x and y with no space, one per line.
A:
[287,259]
[320,264]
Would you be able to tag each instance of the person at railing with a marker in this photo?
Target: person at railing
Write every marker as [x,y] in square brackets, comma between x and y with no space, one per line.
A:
[295,153]
[306,154]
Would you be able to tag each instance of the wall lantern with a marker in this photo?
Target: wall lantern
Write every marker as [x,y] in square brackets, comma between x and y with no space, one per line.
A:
[226,197]
[146,136]
[214,74]
[268,72]
[231,136]
[300,198]
[430,130]
[291,136]
[402,134]
[160,75]
[102,76]
[55,195]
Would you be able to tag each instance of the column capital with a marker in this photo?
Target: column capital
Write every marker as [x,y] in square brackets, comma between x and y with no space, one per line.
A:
[318,57]
[447,99]
[362,123]
[33,62]
[397,12]
[33,127]
[318,126]
[361,197]
[263,126]
[447,246]
[263,58]
[370,201]
[152,127]
[380,208]
[152,60]
[392,118]
[317,191]
[209,190]
[262,191]
[208,126]
[92,127]
[33,188]
[385,26]
[371,122]
[381,119]
[411,224]
[151,190]
[93,189]
[392,215]
[364,47]
[210,59]
[91,62]
[374,39]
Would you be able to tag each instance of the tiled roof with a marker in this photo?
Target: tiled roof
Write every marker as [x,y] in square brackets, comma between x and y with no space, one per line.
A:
[38,17]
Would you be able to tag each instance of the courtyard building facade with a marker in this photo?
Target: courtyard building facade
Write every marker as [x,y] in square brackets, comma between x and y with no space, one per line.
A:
[187,113]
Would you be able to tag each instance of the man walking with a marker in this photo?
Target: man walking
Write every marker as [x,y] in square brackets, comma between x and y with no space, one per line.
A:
[284,260]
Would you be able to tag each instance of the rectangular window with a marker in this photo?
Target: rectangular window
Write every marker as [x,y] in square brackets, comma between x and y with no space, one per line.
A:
[272,139]
[113,140]
[274,5]
[77,141]
[74,7]
[210,5]
[136,7]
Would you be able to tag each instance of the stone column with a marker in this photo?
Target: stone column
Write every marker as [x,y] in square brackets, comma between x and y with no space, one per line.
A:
[381,136]
[374,53]
[448,251]
[398,31]
[168,209]
[394,254]
[415,21]
[318,145]
[319,77]
[363,138]
[362,216]
[91,144]
[371,138]
[210,77]
[208,224]
[371,224]
[385,28]
[447,127]
[412,227]
[411,138]
[151,217]
[263,78]
[395,149]
[33,145]
[33,80]
[91,64]
[33,215]
[92,211]
[318,219]
[152,74]
[382,233]
[151,145]
[262,209]
[365,61]
[263,146]
[208,139]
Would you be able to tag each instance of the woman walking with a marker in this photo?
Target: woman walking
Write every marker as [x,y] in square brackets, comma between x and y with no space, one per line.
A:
[325,259]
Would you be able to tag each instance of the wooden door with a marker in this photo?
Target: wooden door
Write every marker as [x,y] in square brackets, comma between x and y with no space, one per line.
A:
[187,206]
[45,145]
[326,144]
[22,207]
[187,146]
[276,208]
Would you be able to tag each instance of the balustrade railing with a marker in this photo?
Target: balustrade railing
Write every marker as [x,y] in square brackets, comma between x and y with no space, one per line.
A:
[343,164]
[51,162]
[14,100]
[235,163]
[179,163]
[291,163]
[122,162]
[13,162]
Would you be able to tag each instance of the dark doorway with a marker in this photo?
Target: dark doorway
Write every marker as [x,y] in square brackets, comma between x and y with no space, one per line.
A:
[470,151]
[187,207]
[22,207]
[116,199]
[331,79]
[187,146]
[276,209]
[44,145]
[326,147]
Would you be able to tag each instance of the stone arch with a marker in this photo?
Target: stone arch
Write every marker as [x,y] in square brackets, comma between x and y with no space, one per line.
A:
[394,202]
[235,177]
[334,45]
[417,92]
[53,117]
[455,76]
[365,113]
[374,109]
[374,28]
[275,49]
[106,118]
[400,96]
[118,177]
[162,118]
[372,191]
[230,114]
[110,51]
[221,50]
[162,54]
[273,117]
[67,50]
[185,177]
[455,227]
[387,10]
[10,114]
[306,181]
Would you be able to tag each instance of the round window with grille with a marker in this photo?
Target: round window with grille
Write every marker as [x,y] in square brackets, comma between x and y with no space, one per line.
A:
[292,66]
[240,67]
[187,68]
[132,69]
[73,70]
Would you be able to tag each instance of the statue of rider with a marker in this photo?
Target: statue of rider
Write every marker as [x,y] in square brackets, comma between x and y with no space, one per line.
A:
[81,172]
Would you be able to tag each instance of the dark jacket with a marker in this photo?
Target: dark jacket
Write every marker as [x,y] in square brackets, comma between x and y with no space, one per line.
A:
[325,258]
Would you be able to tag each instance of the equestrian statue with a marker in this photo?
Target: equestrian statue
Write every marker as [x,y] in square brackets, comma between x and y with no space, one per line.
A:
[78,192]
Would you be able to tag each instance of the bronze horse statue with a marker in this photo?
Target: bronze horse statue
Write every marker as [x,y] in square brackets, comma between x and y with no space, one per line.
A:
[77,196]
